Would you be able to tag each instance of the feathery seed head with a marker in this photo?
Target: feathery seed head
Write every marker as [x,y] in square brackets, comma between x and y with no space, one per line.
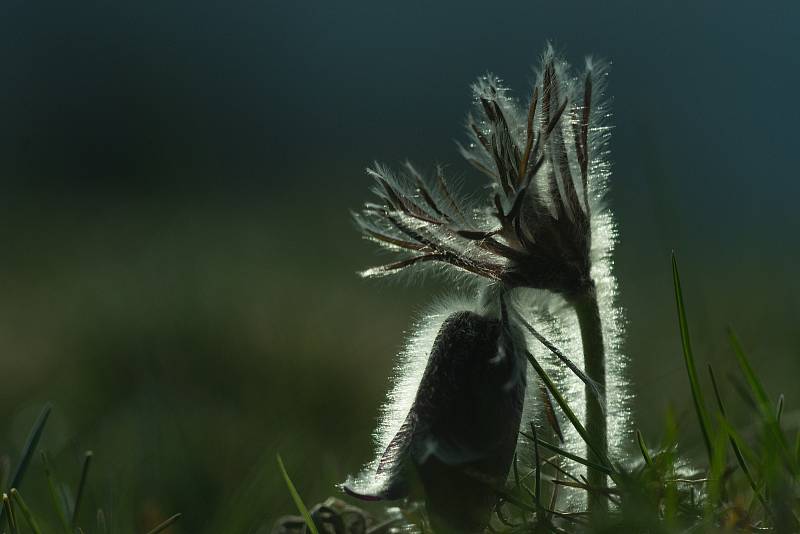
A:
[547,174]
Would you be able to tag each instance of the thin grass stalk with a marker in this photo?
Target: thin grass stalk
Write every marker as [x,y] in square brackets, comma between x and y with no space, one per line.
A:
[737,451]
[298,501]
[166,524]
[566,454]
[643,449]
[691,368]
[28,449]
[562,403]
[87,460]
[25,512]
[764,405]
[538,479]
[51,486]
[10,517]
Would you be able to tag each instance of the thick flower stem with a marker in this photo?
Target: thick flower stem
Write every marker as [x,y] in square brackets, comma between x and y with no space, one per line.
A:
[594,362]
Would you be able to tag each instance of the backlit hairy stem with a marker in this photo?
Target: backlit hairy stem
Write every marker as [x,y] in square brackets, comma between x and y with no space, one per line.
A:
[594,362]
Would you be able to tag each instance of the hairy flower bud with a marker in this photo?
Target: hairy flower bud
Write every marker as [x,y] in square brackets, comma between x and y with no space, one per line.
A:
[459,436]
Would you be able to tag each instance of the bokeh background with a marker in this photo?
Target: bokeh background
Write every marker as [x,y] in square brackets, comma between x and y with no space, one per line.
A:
[177,262]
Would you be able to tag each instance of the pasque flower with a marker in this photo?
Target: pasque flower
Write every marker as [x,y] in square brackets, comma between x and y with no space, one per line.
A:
[536,228]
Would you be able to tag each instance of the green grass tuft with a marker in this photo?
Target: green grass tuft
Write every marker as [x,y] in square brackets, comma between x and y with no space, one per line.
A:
[298,501]
[657,489]
[688,358]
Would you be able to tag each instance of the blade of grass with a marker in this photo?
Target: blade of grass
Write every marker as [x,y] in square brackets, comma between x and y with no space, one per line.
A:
[716,472]
[742,391]
[763,402]
[562,403]
[54,495]
[716,389]
[747,370]
[87,460]
[166,524]
[511,499]
[737,445]
[688,357]
[28,449]
[563,357]
[797,446]
[298,501]
[25,511]
[668,459]
[537,460]
[569,455]
[553,498]
[5,471]
[9,509]
[737,450]
[30,445]
[643,448]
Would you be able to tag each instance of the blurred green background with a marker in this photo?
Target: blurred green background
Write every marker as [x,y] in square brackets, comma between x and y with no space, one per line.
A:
[177,263]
